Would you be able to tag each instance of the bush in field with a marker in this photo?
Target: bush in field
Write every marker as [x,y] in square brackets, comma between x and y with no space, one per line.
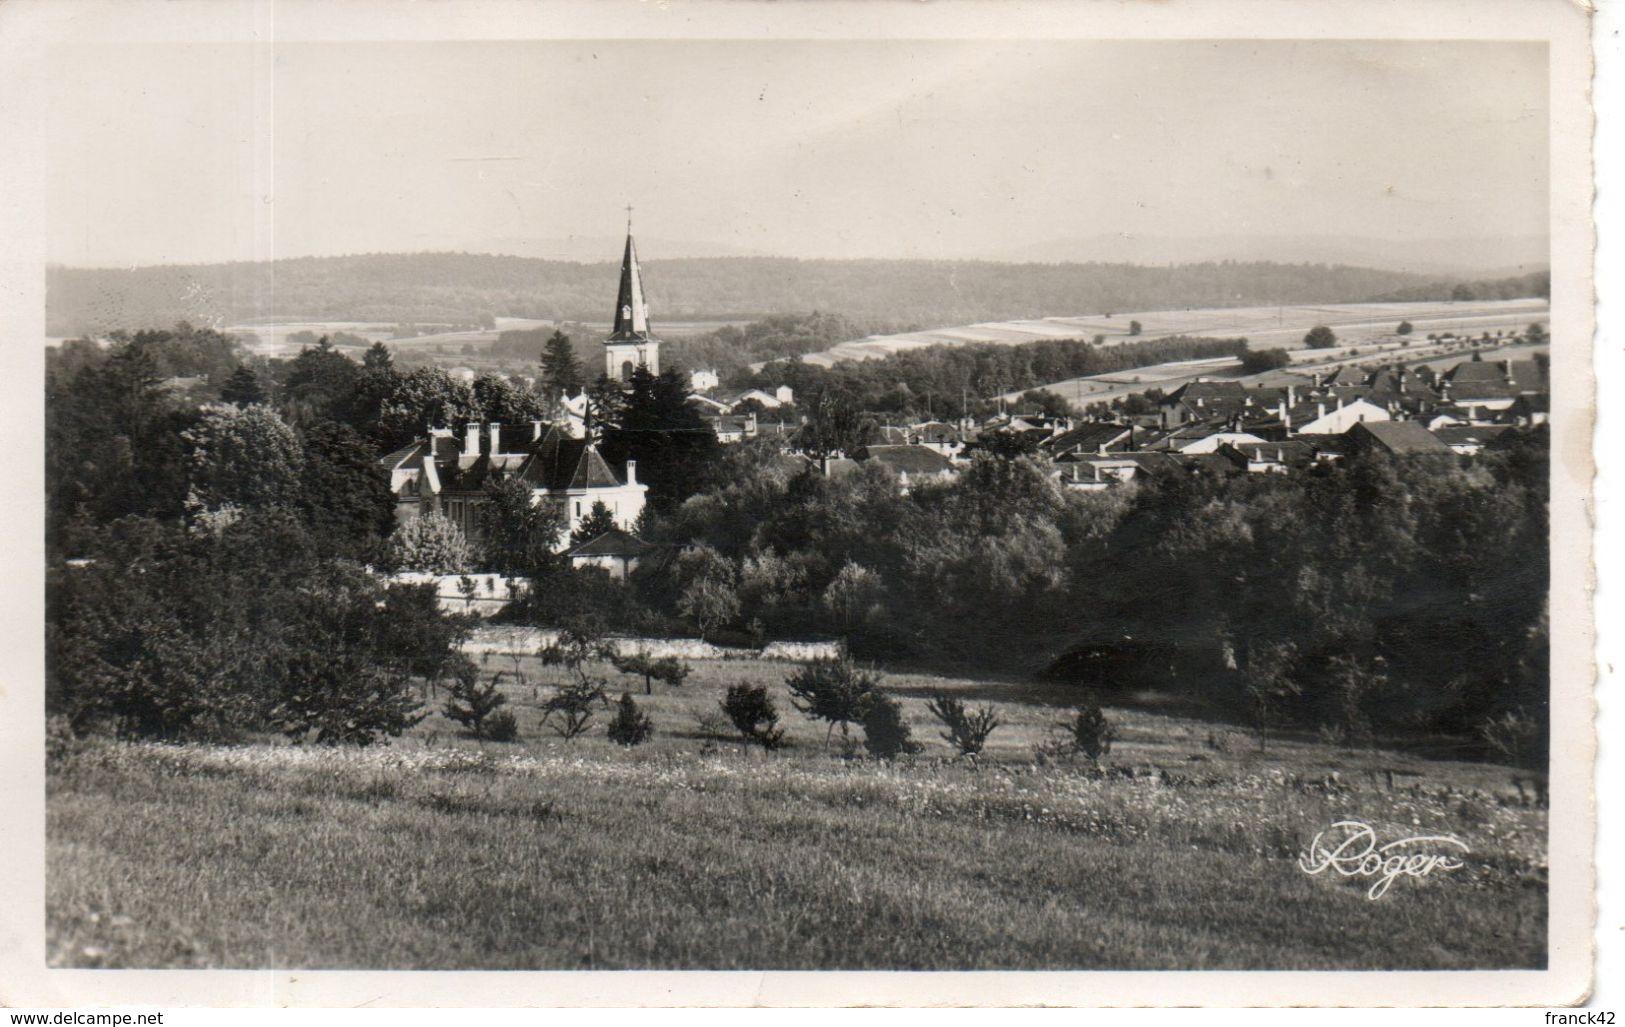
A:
[631,725]
[833,690]
[502,727]
[1320,337]
[1259,361]
[668,669]
[968,732]
[572,705]
[472,701]
[885,733]
[1089,732]
[753,715]
[1517,736]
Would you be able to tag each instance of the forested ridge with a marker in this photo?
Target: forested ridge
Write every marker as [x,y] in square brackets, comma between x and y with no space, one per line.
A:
[463,288]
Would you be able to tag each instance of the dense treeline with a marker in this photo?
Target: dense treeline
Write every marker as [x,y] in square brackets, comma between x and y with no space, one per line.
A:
[461,288]
[942,381]
[1534,284]
[1382,595]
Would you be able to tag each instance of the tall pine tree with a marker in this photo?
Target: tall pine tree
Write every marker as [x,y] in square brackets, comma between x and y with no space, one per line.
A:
[560,369]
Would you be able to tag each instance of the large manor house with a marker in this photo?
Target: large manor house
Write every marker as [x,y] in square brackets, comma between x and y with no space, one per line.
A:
[447,474]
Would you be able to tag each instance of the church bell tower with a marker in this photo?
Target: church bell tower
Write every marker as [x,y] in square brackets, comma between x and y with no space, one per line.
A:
[630,344]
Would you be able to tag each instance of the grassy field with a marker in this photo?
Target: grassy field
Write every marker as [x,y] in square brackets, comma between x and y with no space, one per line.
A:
[694,851]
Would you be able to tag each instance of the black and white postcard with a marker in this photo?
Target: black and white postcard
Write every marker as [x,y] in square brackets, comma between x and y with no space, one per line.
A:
[721,491]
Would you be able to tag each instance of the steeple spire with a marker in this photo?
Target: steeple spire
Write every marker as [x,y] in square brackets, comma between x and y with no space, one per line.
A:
[631,310]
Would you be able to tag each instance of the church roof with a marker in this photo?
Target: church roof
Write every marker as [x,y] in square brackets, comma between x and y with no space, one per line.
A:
[631,309]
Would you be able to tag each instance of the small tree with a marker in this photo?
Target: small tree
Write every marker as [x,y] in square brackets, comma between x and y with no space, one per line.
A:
[631,725]
[572,705]
[1320,337]
[968,732]
[668,669]
[1270,685]
[832,690]
[885,733]
[1536,334]
[1134,328]
[597,522]
[1404,328]
[1089,732]
[709,601]
[243,388]
[471,702]
[753,715]
[432,544]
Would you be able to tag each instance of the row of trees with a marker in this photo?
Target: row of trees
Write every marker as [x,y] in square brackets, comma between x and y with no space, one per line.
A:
[1379,595]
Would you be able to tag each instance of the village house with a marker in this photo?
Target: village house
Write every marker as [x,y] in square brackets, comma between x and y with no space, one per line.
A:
[434,474]
[616,551]
[912,464]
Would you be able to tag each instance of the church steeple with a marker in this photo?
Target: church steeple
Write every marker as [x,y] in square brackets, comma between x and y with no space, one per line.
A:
[630,344]
[631,310]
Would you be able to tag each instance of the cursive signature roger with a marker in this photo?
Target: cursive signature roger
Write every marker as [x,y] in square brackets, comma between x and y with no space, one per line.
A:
[1350,848]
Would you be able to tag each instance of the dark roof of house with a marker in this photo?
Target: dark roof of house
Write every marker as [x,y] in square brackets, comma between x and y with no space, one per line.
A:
[907,459]
[1475,371]
[1089,436]
[1292,453]
[1399,437]
[1468,434]
[614,542]
[1529,376]
[554,462]
[1533,403]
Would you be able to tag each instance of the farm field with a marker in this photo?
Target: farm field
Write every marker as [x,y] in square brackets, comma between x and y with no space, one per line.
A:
[1305,363]
[696,851]
[1267,327]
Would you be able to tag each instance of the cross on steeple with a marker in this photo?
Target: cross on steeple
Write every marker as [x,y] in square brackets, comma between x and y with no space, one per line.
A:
[629,217]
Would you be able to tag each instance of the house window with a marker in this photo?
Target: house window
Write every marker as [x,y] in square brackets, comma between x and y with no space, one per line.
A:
[578,508]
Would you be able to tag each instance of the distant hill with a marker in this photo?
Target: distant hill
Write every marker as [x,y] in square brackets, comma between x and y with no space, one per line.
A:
[463,288]
[1501,256]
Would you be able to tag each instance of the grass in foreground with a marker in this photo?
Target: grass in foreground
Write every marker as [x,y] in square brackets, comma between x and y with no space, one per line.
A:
[700,854]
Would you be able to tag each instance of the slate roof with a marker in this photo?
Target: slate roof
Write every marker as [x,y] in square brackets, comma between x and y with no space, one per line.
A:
[1087,437]
[614,542]
[554,462]
[1469,434]
[1398,437]
[907,459]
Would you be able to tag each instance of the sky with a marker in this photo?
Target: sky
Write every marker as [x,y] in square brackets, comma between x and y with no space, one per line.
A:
[189,153]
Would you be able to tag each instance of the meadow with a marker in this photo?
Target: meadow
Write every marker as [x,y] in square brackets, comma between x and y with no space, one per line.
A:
[697,851]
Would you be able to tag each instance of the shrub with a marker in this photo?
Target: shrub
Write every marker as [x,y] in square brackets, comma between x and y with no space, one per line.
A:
[968,732]
[430,543]
[885,733]
[502,727]
[753,715]
[572,705]
[1089,732]
[471,701]
[1320,337]
[631,725]
[668,669]
[833,690]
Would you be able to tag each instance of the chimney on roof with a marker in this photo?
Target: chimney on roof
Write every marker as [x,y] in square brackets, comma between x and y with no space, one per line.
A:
[1507,366]
[1315,380]
[1340,401]
[536,430]
[1320,410]
[471,439]
[631,472]
[496,438]
[1291,396]
[1284,412]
